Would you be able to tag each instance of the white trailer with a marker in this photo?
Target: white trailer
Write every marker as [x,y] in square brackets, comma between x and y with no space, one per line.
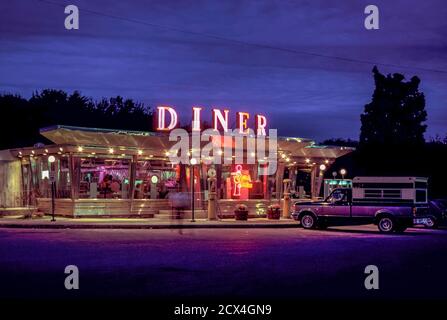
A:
[390,189]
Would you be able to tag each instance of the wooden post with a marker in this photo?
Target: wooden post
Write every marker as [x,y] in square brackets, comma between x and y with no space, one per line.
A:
[279,180]
[73,178]
[313,182]
[286,204]
[132,177]
[212,198]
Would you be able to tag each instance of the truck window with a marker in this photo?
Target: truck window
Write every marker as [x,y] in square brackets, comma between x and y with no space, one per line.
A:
[421,195]
[420,184]
[392,193]
[383,193]
[337,196]
[373,193]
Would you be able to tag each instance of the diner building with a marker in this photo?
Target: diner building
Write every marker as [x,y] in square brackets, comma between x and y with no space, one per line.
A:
[103,173]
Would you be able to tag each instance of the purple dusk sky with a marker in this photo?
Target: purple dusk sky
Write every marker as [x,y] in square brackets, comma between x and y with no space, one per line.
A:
[302,95]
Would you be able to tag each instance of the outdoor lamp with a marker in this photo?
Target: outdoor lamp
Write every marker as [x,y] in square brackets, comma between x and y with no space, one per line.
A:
[193,162]
[51,159]
[322,167]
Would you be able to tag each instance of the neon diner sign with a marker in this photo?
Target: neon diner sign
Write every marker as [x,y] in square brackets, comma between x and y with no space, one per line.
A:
[220,120]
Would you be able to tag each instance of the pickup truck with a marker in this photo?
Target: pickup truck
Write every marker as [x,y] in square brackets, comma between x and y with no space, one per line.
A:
[392,203]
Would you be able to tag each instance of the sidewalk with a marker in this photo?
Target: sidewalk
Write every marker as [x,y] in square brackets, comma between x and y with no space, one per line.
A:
[131,223]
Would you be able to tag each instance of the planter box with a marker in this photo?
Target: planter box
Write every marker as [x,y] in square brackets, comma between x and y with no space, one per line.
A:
[274,214]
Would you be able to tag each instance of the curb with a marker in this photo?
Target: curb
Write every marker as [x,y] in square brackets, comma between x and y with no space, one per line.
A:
[148,226]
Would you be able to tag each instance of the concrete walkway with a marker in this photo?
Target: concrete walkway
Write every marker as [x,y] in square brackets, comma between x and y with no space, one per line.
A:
[128,223]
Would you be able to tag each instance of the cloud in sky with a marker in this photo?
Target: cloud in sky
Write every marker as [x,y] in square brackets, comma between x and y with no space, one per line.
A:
[303,95]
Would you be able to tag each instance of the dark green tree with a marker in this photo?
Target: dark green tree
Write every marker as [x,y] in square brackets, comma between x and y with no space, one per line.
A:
[51,107]
[396,114]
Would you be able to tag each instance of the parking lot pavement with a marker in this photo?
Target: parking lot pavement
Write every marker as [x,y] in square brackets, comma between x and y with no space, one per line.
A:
[286,263]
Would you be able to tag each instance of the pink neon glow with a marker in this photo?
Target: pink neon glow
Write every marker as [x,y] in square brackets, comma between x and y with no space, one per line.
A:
[242,118]
[261,123]
[220,118]
[161,118]
[196,119]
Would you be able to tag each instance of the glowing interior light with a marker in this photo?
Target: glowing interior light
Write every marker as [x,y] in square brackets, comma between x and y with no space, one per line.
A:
[140,152]
[80,149]
[111,150]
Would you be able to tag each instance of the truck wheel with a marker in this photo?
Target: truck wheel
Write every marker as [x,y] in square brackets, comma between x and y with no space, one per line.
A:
[308,221]
[431,223]
[386,224]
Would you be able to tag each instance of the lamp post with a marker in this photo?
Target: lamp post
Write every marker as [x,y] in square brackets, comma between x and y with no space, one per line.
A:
[51,160]
[193,161]
[343,172]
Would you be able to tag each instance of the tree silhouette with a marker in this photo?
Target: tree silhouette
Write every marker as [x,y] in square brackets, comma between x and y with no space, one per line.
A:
[56,107]
[396,113]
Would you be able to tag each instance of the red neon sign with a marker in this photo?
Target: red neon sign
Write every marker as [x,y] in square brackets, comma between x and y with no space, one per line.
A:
[220,120]
[240,180]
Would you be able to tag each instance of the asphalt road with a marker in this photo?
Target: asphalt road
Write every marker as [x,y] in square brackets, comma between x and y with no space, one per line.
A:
[213,263]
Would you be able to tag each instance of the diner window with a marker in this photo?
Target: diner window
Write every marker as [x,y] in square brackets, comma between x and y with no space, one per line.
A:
[155,179]
[37,177]
[104,178]
[244,182]
[63,179]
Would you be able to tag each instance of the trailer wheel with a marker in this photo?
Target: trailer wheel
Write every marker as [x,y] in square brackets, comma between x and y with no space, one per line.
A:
[308,221]
[386,224]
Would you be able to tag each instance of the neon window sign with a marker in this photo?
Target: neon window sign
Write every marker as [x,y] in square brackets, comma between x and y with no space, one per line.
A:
[240,180]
